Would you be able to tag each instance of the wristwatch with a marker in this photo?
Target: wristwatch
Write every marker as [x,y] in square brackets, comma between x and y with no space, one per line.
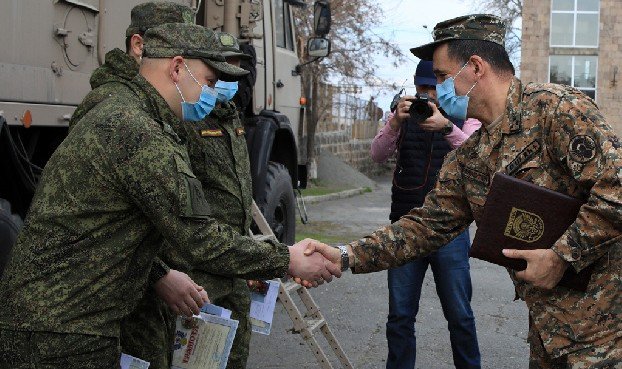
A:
[448,128]
[345,259]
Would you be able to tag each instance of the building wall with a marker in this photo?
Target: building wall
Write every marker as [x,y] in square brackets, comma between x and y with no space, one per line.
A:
[354,152]
[535,52]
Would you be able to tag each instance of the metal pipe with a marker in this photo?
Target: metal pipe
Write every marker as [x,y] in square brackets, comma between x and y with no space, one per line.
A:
[230,24]
[100,32]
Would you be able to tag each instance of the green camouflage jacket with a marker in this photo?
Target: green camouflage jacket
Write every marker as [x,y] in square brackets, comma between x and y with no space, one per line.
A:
[553,136]
[118,69]
[219,157]
[116,187]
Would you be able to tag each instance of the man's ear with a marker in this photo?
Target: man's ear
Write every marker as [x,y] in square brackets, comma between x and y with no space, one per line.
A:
[478,64]
[136,44]
[175,67]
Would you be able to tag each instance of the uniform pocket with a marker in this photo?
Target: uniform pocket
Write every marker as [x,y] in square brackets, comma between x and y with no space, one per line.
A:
[191,197]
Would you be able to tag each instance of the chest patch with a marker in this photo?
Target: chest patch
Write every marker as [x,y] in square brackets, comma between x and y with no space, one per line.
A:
[211,133]
[582,148]
[524,156]
[240,131]
[476,176]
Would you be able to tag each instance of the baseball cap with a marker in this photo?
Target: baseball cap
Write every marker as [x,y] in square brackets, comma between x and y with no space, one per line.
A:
[152,14]
[425,74]
[192,42]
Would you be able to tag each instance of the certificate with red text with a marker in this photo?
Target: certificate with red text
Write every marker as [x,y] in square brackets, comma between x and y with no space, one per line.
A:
[203,342]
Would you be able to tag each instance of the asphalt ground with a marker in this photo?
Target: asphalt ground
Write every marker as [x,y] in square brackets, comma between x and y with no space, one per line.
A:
[356,306]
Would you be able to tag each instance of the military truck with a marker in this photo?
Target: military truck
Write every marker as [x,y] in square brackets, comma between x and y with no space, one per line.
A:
[50,48]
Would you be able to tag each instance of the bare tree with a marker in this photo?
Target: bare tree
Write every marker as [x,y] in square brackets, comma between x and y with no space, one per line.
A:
[352,57]
[511,12]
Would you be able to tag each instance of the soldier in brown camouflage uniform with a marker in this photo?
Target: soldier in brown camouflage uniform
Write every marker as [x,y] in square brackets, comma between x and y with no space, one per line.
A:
[547,134]
[119,184]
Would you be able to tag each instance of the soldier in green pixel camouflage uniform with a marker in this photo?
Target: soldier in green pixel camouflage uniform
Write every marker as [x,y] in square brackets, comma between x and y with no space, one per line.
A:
[219,157]
[119,66]
[119,184]
[548,134]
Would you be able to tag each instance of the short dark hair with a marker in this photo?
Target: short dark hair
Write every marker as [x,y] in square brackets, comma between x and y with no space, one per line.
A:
[491,52]
[128,41]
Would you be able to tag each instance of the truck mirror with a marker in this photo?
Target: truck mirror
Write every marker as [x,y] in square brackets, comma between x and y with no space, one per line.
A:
[318,47]
[322,17]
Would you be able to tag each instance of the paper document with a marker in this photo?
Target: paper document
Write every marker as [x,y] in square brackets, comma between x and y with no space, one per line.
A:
[203,342]
[262,308]
[131,362]
[216,310]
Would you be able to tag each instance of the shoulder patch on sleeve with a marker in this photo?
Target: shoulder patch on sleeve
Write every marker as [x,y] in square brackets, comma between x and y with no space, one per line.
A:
[582,148]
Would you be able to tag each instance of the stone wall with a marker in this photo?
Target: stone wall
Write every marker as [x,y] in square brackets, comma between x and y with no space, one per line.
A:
[536,51]
[354,152]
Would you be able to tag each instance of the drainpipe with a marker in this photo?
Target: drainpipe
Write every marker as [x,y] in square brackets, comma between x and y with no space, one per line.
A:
[100,32]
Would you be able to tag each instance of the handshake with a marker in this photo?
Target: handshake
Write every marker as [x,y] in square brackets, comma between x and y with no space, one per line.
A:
[313,263]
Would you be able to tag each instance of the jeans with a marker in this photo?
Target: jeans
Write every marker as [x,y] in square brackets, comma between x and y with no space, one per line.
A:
[450,266]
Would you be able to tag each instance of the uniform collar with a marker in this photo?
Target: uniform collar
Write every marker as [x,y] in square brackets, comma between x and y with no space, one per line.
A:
[512,119]
[154,104]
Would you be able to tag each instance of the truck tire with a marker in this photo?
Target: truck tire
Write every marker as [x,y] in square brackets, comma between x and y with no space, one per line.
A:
[278,204]
[10,225]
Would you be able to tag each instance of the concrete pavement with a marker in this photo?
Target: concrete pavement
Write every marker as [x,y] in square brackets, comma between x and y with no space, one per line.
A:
[356,306]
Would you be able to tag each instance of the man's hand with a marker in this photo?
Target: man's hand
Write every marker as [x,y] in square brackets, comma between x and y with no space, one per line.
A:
[332,256]
[180,293]
[544,267]
[313,268]
[401,112]
[434,123]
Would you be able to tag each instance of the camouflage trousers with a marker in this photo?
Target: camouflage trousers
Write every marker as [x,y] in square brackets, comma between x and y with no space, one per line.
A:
[605,356]
[149,331]
[49,350]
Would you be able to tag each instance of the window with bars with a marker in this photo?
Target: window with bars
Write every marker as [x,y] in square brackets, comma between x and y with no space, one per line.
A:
[574,23]
[576,71]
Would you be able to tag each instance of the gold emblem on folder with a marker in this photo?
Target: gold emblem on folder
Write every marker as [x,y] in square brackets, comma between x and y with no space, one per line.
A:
[524,226]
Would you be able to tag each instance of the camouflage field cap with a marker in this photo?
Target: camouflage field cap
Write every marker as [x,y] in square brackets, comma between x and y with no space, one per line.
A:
[192,42]
[485,27]
[155,13]
[229,46]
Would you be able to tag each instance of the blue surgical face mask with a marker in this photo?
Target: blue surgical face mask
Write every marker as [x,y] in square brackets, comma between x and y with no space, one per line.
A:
[197,111]
[454,105]
[226,90]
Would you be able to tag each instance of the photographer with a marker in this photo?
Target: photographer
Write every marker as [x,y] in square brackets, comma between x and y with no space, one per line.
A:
[422,139]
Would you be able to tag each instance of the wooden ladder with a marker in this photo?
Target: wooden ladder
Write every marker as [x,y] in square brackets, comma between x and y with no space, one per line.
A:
[312,320]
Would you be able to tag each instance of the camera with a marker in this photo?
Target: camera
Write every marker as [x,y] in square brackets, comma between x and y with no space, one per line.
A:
[420,110]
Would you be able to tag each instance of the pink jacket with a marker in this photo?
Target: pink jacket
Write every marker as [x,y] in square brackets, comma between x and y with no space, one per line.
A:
[385,142]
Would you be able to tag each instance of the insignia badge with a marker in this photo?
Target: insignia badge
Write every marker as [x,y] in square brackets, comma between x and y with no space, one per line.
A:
[211,133]
[582,148]
[239,131]
[227,40]
[524,226]
[524,156]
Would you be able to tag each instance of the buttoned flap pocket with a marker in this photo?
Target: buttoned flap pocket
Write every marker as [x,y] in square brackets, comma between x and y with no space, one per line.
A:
[476,183]
[525,171]
[192,200]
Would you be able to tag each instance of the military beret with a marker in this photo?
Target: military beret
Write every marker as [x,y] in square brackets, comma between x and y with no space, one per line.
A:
[192,42]
[484,27]
[229,46]
[155,13]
